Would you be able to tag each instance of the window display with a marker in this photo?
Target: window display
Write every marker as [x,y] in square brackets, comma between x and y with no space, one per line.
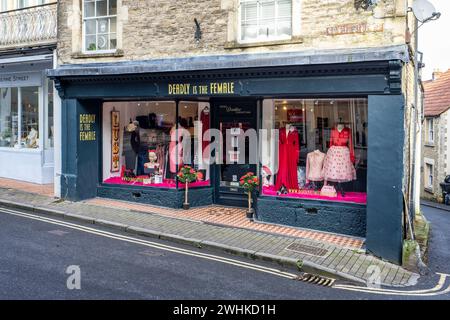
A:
[315,149]
[20,103]
[144,144]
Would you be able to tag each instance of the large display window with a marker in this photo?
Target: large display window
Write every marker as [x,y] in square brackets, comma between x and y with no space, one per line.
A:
[19,117]
[145,143]
[315,149]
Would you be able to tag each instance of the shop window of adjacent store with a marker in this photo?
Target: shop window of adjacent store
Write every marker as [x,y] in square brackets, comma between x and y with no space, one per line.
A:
[315,149]
[19,117]
[145,143]
[99,25]
[265,20]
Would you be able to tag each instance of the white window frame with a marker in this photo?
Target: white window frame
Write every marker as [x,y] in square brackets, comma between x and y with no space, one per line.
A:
[268,39]
[95,17]
[429,176]
[430,130]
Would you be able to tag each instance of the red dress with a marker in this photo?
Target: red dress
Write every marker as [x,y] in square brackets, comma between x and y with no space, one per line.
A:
[288,156]
[343,139]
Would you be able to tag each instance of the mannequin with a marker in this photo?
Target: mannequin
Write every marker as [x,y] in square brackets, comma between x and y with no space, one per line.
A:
[31,139]
[288,156]
[152,165]
[314,167]
[339,162]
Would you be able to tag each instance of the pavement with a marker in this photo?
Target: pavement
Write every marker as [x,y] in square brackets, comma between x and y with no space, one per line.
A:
[436,205]
[308,255]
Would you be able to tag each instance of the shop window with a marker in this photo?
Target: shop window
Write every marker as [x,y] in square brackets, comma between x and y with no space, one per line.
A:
[263,20]
[315,149]
[142,146]
[23,104]
[99,25]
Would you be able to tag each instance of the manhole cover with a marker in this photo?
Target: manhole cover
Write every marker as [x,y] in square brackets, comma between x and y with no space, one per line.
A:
[304,248]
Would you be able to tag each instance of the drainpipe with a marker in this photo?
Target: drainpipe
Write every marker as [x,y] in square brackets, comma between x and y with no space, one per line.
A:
[412,204]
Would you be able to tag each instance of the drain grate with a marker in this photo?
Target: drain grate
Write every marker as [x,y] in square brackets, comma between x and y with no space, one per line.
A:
[315,279]
[304,248]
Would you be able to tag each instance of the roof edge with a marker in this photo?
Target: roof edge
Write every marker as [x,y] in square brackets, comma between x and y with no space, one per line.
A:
[233,61]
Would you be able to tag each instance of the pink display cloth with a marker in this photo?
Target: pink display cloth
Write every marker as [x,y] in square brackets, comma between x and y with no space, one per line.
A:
[167,183]
[355,197]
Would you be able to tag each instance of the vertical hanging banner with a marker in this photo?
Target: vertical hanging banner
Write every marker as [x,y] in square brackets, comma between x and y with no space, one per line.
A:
[115,141]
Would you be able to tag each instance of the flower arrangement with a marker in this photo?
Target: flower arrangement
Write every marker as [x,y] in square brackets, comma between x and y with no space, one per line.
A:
[186,175]
[249,182]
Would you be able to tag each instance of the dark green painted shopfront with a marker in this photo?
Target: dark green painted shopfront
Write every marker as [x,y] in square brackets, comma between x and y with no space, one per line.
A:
[330,132]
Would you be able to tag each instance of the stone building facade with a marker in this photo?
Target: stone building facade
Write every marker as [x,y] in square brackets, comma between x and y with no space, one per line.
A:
[159,29]
[435,137]
[354,65]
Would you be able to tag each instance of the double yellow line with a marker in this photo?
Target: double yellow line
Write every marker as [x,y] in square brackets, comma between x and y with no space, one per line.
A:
[152,244]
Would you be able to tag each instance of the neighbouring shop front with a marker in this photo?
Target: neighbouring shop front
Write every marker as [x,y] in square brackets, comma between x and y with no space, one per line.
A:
[26,117]
[329,144]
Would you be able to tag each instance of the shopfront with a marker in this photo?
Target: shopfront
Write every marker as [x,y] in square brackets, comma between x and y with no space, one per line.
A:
[26,119]
[325,140]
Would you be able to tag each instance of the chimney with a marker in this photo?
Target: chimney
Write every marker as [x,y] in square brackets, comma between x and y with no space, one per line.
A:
[436,74]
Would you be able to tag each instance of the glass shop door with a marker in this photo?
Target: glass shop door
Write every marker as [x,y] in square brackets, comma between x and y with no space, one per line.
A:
[234,117]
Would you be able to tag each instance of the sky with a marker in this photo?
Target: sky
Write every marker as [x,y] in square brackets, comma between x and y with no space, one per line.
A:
[434,40]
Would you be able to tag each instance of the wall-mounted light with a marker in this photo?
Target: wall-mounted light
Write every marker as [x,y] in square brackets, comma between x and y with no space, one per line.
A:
[198,31]
[365,4]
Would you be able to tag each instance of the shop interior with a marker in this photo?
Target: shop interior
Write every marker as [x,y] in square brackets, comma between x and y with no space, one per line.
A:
[142,146]
[319,150]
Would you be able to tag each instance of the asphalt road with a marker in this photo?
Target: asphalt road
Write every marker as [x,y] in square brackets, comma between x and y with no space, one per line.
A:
[35,256]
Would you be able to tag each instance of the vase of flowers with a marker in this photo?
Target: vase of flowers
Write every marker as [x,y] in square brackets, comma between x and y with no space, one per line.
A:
[186,175]
[249,182]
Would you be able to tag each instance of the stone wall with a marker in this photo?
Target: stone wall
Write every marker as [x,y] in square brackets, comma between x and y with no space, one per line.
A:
[153,29]
[437,152]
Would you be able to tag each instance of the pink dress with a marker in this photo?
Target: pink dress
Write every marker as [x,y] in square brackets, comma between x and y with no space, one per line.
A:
[338,166]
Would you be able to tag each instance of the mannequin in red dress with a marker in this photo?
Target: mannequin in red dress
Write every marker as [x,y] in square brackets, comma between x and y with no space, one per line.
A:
[288,156]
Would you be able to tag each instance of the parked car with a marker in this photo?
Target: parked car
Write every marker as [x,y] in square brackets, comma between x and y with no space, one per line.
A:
[445,186]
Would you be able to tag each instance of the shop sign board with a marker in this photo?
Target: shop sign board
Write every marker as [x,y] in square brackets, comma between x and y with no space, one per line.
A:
[115,141]
[87,127]
[209,89]
[20,79]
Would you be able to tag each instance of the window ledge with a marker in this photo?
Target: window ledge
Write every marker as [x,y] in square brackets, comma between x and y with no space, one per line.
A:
[430,144]
[20,150]
[82,55]
[237,45]
[429,190]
